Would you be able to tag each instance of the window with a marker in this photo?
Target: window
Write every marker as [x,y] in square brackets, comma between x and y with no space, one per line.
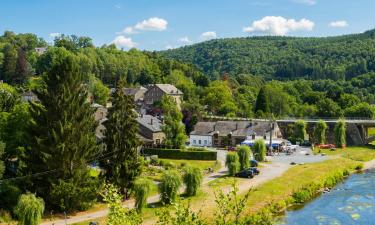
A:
[194,141]
[200,142]
[205,142]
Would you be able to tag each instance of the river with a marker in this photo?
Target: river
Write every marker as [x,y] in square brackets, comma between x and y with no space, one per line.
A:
[351,202]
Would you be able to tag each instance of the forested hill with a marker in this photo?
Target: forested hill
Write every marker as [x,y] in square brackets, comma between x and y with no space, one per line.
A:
[333,58]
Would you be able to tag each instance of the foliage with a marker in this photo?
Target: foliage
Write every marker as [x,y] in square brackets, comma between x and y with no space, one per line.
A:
[340,133]
[2,167]
[123,164]
[232,162]
[244,153]
[262,104]
[173,127]
[118,215]
[99,91]
[9,194]
[29,209]
[169,186]
[362,110]
[181,154]
[8,97]
[259,150]
[62,132]
[320,132]
[300,130]
[192,178]
[141,189]
[230,206]
[180,214]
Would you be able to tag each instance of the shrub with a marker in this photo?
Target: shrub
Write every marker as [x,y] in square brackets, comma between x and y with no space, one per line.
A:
[5,217]
[169,186]
[340,133]
[259,149]
[193,179]
[232,162]
[29,209]
[9,195]
[244,156]
[179,154]
[142,188]
[300,130]
[359,167]
[320,132]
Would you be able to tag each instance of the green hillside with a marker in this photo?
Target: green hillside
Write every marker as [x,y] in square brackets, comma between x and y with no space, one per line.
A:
[336,58]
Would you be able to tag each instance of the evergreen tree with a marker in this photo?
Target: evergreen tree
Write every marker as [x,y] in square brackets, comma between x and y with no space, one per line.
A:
[63,138]
[22,69]
[174,129]
[9,63]
[124,164]
[262,103]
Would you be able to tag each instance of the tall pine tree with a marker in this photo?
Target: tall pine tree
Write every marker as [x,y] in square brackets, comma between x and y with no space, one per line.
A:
[63,138]
[121,140]
[262,103]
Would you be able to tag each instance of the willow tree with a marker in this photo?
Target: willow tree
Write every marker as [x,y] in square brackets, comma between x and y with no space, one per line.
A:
[123,164]
[300,130]
[340,133]
[63,140]
[320,132]
[29,210]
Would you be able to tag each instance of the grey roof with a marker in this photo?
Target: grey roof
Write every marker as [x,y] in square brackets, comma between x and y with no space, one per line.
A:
[135,90]
[169,89]
[236,128]
[150,122]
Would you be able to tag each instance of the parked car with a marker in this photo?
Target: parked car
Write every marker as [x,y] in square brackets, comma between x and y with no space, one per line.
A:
[255,170]
[253,163]
[247,173]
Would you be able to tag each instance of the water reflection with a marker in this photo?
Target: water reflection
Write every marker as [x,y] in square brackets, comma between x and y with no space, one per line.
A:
[351,202]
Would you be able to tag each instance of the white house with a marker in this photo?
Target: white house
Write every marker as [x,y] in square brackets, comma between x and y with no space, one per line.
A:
[201,140]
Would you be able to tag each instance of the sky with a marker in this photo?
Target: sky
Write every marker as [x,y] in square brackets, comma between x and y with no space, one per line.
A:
[164,24]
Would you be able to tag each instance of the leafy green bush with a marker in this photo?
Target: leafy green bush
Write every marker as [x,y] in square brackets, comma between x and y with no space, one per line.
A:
[359,167]
[180,154]
[232,162]
[340,133]
[244,153]
[169,186]
[259,150]
[142,188]
[5,217]
[29,210]
[193,179]
[9,195]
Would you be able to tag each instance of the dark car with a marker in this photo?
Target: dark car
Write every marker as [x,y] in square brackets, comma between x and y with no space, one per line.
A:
[255,170]
[248,173]
[253,163]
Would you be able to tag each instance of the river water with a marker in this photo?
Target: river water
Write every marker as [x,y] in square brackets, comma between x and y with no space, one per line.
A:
[351,202]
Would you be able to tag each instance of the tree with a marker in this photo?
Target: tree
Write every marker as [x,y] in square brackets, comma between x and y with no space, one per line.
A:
[169,186]
[63,141]
[29,210]
[118,215]
[300,130]
[259,150]
[23,68]
[8,97]
[232,162]
[123,164]
[244,153]
[340,133]
[328,108]
[363,110]
[2,167]
[193,178]
[173,127]
[142,188]
[99,91]
[262,103]
[9,63]
[320,132]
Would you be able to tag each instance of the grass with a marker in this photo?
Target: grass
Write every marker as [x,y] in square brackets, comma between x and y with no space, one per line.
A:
[203,165]
[297,177]
[371,131]
[362,153]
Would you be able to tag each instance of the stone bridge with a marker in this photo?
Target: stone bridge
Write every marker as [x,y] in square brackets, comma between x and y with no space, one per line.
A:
[356,130]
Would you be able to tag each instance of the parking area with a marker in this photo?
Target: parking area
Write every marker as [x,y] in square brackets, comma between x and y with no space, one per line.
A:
[301,155]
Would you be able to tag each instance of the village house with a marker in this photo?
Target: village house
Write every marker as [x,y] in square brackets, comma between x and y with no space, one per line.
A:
[150,128]
[230,133]
[155,92]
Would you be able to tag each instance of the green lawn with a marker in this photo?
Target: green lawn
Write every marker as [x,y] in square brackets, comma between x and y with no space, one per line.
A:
[362,153]
[204,165]
[371,131]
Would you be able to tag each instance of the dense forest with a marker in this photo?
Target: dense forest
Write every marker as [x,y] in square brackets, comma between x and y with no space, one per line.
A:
[335,58]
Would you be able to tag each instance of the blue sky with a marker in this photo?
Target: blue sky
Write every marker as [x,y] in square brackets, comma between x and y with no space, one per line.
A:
[161,24]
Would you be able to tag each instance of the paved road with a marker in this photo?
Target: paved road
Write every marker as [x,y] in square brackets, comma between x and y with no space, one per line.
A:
[298,157]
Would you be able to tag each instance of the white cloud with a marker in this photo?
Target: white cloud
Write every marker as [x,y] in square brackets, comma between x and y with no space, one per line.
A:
[151,24]
[118,6]
[277,25]
[53,35]
[185,40]
[306,2]
[154,23]
[340,24]
[123,42]
[169,47]
[208,35]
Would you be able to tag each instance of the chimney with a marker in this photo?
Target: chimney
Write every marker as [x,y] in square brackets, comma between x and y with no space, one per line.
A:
[151,121]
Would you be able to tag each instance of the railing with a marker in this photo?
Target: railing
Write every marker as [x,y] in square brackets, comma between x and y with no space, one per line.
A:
[225,118]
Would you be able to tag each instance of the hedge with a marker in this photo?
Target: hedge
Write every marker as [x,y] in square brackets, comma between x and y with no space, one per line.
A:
[179,154]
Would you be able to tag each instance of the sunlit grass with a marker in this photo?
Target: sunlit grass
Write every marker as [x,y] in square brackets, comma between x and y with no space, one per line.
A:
[360,153]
